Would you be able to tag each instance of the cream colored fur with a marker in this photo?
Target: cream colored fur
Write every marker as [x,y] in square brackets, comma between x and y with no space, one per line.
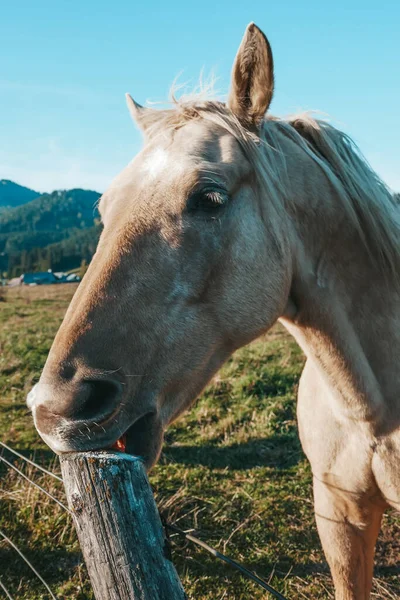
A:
[305,232]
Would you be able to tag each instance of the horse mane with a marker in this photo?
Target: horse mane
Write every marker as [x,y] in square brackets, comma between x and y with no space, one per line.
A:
[366,198]
[367,201]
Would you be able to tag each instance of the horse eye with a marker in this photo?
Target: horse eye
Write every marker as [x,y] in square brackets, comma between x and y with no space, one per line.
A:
[207,201]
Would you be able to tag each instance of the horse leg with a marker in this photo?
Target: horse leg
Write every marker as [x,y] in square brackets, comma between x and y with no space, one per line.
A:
[348,529]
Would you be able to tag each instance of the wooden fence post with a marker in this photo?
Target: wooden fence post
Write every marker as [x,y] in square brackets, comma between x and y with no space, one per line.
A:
[119,528]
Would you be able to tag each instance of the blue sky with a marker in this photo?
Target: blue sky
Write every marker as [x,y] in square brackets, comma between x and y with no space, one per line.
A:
[65,66]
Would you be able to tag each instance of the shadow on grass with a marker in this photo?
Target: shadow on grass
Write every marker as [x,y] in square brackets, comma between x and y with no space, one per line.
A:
[282,570]
[263,568]
[54,565]
[279,451]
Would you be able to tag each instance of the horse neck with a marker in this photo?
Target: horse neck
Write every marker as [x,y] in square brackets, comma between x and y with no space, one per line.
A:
[343,309]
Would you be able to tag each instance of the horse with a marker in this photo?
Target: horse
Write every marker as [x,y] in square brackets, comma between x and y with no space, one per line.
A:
[228,220]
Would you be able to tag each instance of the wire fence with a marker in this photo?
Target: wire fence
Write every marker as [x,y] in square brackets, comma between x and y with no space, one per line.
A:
[3,536]
[168,526]
[5,590]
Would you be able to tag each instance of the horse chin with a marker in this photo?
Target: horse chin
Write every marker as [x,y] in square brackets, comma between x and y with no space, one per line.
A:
[145,438]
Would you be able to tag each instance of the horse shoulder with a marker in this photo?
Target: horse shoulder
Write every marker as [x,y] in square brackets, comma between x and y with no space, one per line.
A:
[340,451]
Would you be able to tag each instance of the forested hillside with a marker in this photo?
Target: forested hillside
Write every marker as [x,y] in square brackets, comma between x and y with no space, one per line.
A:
[12,194]
[55,231]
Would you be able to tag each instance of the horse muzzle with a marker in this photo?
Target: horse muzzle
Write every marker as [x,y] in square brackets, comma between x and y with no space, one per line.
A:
[93,415]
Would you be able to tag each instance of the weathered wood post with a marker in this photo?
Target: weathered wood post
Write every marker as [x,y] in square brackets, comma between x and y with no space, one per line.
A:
[119,528]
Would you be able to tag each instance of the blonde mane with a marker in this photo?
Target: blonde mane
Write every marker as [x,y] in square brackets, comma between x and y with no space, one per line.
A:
[367,201]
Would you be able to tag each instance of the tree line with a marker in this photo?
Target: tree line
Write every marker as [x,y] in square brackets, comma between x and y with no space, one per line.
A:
[55,231]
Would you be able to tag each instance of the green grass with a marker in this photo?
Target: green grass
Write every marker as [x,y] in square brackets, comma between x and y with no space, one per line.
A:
[232,469]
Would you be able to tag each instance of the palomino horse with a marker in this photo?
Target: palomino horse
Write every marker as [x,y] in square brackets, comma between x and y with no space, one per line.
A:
[226,221]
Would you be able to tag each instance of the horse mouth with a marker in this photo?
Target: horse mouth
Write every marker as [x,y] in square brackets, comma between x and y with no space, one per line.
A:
[143,438]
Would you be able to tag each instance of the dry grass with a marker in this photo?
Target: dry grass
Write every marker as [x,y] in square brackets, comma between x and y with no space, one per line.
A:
[26,293]
[232,470]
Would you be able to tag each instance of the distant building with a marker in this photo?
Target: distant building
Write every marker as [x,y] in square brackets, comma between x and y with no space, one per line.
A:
[41,278]
[45,278]
[67,277]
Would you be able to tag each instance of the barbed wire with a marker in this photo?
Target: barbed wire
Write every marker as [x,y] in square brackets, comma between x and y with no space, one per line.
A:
[39,487]
[5,590]
[22,555]
[246,572]
[226,559]
[43,490]
[28,460]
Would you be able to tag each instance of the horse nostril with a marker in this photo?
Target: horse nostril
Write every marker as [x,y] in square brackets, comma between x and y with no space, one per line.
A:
[57,405]
[101,399]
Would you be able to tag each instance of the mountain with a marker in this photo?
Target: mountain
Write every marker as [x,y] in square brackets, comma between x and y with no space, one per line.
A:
[12,194]
[56,231]
[58,211]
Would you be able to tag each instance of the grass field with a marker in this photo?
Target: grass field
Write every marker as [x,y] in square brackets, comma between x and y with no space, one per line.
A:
[232,469]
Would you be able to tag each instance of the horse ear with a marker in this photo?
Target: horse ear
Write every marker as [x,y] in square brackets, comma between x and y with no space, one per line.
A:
[252,83]
[140,114]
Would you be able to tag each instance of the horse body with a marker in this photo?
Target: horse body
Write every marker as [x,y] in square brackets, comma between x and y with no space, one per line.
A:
[348,415]
[224,223]
[344,314]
